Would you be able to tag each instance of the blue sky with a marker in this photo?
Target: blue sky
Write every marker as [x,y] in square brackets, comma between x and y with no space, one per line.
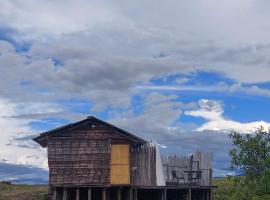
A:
[185,74]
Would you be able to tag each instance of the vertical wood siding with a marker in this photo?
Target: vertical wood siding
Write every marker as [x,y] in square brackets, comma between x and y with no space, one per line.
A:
[144,165]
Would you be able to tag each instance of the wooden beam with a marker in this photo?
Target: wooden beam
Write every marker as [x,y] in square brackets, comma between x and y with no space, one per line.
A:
[65,194]
[78,194]
[89,194]
[54,193]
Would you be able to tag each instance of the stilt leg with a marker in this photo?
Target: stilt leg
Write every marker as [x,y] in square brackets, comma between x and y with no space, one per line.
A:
[164,194]
[135,194]
[65,194]
[119,194]
[54,193]
[189,194]
[89,194]
[130,192]
[104,194]
[108,193]
[78,194]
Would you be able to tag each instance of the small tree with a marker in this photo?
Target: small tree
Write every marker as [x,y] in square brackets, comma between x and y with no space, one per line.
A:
[251,155]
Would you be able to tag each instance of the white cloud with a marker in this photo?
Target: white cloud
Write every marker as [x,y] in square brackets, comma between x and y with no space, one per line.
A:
[14,150]
[221,88]
[229,19]
[212,111]
[35,18]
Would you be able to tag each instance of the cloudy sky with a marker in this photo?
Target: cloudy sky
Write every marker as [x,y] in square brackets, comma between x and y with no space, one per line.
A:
[182,72]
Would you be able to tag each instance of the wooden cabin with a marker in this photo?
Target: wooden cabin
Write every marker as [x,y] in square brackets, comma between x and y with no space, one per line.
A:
[94,160]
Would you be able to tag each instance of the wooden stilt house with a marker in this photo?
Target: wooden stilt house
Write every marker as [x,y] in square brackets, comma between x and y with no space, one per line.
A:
[94,160]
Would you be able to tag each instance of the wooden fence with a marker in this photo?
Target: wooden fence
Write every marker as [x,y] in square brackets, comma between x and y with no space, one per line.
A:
[194,169]
[144,165]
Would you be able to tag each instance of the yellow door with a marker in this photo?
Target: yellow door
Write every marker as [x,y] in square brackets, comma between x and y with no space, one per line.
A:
[120,164]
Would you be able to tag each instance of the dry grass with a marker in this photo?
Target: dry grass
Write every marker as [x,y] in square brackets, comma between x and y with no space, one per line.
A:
[22,192]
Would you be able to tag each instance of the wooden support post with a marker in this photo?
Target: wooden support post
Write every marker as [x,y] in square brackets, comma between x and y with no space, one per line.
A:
[189,193]
[78,194]
[65,194]
[130,196]
[135,194]
[108,194]
[54,193]
[164,194]
[119,194]
[104,194]
[203,195]
[89,194]
[207,195]
[211,194]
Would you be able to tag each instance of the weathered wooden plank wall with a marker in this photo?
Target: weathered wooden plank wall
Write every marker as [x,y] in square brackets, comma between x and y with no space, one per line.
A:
[144,165]
[82,157]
